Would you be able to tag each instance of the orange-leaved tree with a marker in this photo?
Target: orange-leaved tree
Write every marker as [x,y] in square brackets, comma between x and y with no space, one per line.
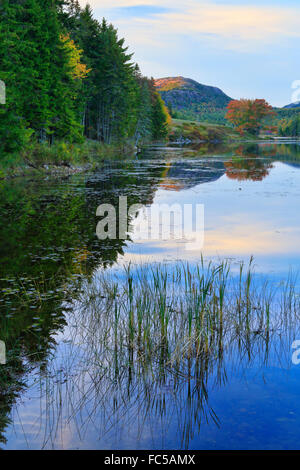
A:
[249,115]
[78,70]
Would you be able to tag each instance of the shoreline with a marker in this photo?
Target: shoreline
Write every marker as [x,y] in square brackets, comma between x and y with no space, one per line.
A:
[61,159]
[37,163]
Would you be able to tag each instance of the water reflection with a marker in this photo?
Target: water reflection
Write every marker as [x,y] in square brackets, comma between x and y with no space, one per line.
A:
[48,251]
[250,195]
[100,390]
[47,245]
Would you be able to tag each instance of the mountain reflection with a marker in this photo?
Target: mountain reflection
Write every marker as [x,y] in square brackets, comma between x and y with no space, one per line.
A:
[49,251]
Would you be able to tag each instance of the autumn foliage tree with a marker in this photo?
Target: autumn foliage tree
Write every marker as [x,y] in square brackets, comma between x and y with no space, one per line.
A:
[247,169]
[249,115]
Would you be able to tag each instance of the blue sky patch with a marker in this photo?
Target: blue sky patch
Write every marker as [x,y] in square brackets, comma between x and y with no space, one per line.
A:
[141,11]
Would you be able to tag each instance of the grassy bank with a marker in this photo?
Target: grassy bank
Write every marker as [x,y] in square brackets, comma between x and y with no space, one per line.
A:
[192,131]
[61,157]
[67,158]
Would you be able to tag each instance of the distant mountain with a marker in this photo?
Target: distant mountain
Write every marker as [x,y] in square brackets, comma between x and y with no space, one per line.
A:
[292,105]
[189,99]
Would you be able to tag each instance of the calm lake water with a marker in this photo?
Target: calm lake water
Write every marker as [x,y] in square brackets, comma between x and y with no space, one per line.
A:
[52,397]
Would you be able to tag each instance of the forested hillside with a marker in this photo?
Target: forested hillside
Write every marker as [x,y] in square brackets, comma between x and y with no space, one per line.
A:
[188,99]
[290,126]
[292,105]
[287,121]
[70,78]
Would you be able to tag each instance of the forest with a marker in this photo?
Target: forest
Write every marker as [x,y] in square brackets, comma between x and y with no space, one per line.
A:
[289,126]
[70,79]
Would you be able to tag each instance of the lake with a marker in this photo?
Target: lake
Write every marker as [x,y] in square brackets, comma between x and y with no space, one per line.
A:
[69,383]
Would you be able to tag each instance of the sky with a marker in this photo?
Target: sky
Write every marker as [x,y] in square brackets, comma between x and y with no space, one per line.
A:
[249,49]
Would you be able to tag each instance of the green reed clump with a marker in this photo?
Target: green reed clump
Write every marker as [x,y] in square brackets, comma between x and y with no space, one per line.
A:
[183,312]
[152,338]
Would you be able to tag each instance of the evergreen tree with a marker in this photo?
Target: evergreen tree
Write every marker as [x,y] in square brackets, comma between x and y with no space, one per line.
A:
[36,67]
[13,132]
[67,74]
[143,129]
[159,118]
[112,90]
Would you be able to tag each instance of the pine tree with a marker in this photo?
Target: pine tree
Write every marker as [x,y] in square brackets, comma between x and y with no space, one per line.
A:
[67,75]
[144,122]
[38,69]
[13,132]
[160,118]
[111,89]
[115,88]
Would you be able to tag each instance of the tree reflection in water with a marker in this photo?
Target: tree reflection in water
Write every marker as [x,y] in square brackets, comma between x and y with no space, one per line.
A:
[142,353]
[91,377]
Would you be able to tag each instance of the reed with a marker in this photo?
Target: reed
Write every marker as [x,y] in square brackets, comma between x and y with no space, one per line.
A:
[186,311]
[148,345]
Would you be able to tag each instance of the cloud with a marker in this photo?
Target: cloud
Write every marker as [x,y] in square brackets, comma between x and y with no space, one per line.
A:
[246,23]
[239,26]
[141,11]
[119,3]
[247,48]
